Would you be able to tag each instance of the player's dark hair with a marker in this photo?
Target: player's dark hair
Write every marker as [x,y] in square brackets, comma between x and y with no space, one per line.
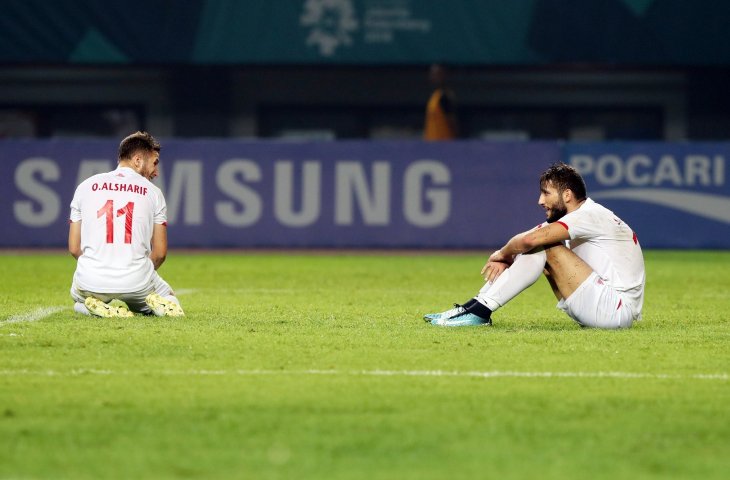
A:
[137,141]
[564,177]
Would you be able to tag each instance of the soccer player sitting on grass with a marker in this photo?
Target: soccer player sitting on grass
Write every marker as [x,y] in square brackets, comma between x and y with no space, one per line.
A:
[590,257]
[118,234]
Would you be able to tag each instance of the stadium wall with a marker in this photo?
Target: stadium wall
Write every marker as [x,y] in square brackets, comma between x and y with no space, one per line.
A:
[366,194]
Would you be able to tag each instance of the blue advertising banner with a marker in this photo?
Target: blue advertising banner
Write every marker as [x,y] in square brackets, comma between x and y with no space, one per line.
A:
[223,193]
[465,194]
[674,195]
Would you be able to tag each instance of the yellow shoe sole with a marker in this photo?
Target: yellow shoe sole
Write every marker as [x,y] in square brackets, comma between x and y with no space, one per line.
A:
[115,308]
[162,307]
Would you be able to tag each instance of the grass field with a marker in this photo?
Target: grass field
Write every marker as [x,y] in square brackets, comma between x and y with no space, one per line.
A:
[319,366]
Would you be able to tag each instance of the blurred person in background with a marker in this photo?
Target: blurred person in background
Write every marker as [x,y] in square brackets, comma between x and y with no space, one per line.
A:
[440,121]
[118,235]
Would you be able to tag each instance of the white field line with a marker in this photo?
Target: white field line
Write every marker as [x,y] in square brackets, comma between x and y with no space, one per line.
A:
[33,316]
[43,312]
[373,373]
[184,291]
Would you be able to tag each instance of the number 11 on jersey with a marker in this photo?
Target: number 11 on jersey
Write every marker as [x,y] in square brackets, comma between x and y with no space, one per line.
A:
[108,211]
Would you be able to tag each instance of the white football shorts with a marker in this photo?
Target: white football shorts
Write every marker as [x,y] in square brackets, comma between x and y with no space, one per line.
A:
[596,304]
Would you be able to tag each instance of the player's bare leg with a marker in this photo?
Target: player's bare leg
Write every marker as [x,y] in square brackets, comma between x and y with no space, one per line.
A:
[566,271]
[550,280]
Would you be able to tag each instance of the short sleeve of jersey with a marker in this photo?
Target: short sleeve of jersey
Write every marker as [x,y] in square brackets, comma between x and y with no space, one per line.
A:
[75,215]
[581,224]
[160,212]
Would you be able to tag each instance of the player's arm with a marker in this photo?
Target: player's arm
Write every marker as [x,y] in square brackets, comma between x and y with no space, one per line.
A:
[522,243]
[159,244]
[74,239]
[531,239]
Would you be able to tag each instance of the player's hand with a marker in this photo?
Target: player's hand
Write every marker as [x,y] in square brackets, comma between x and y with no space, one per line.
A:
[497,263]
[499,256]
[492,270]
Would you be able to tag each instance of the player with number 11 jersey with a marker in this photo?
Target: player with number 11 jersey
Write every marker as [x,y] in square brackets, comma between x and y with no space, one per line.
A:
[117,211]
[118,234]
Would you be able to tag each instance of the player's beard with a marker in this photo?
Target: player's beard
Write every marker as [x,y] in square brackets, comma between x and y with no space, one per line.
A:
[557,211]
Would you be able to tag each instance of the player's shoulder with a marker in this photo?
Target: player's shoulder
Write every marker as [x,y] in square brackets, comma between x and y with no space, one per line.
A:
[96,178]
[141,180]
[601,215]
[590,207]
[154,188]
[588,211]
[596,208]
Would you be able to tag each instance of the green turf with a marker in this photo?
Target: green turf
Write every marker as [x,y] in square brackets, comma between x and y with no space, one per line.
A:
[295,366]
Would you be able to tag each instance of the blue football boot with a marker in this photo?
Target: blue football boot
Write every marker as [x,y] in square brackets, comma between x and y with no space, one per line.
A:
[463,320]
[457,310]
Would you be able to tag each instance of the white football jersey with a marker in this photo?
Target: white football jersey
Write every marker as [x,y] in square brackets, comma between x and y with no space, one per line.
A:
[117,211]
[609,246]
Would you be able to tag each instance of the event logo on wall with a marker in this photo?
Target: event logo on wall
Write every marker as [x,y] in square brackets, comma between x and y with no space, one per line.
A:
[330,23]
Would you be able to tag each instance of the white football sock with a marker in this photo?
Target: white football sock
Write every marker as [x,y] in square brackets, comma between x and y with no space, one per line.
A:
[523,272]
[81,308]
[172,298]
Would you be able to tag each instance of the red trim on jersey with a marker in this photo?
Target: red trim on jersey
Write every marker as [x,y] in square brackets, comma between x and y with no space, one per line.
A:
[620,302]
[164,224]
[636,239]
[563,224]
